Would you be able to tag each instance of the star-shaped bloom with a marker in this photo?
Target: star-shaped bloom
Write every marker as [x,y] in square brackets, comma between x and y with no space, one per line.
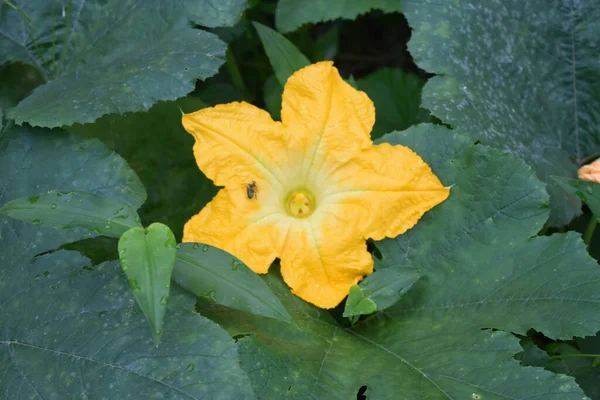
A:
[308,190]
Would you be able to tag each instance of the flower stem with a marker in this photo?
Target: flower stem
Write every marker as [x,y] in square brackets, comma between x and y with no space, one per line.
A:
[589,231]
[575,355]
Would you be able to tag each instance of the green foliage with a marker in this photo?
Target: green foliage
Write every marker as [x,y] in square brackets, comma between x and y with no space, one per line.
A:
[156,141]
[110,57]
[579,358]
[216,275]
[481,270]
[285,58]
[522,76]
[396,95]
[66,324]
[103,215]
[147,256]
[380,290]
[588,192]
[291,14]
[69,330]
[449,301]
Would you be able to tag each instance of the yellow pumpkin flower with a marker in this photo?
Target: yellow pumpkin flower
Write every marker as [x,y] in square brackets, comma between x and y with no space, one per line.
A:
[590,172]
[309,189]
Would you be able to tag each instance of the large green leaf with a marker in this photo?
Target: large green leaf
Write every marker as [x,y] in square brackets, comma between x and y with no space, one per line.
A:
[291,14]
[114,56]
[147,256]
[216,275]
[72,330]
[523,76]
[397,98]
[103,215]
[37,160]
[160,151]
[449,336]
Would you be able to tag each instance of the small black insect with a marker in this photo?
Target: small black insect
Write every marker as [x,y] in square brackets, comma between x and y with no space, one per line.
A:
[251,190]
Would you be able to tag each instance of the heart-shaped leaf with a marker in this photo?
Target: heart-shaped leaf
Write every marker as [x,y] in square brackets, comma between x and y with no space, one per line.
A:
[147,257]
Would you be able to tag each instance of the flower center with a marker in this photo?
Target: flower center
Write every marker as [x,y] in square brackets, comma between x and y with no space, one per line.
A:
[300,204]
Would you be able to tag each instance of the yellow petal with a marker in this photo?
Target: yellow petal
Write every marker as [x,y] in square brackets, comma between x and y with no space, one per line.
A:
[328,121]
[253,230]
[590,172]
[322,258]
[237,143]
[386,190]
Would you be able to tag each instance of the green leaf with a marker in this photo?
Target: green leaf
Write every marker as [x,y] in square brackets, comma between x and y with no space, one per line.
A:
[579,358]
[521,76]
[485,275]
[147,257]
[216,275]
[161,152]
[397,98]
[71,329]
[272,96]
[103,215]
[114,56]
[358,303]
[291,14]
[588,192]
[34,161]
[380,290]
[284,57]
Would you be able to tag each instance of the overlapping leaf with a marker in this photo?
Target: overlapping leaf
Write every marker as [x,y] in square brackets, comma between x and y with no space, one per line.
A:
[110,57]
[579,358]
[397,98]
[484,276]
[291,14]
[34,161]
[522,76]
[160,151]
[72,330]
[215,275]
